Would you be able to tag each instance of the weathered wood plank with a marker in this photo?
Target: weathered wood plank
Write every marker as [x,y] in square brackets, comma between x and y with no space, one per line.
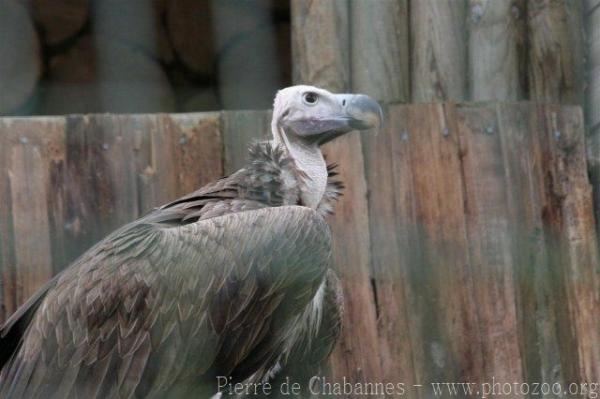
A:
[438,50]
[120,167]
[177,154]
[200,149]
[556,51]
[489,241]
[30,159]
[537,324]
[496,50]
[593,53]
[452,344]
[592,109]
[99,189]
[393,231]
[357,355]
[380,49]
[570,233]
[240,128]
[320,43]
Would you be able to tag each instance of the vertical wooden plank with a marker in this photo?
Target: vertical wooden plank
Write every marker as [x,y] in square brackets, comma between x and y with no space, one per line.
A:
[489,242]
[556,51]
[570,227]
[592,18]
[154,164]
[438,50]
[496,50]
[380,49]
[200,150]
[320,43]
[7,251]
[592,109]
[30,159]
[176,154]
[240,128]
[357,354]
[99,179]
[535,297]
[393,249]
[452,346]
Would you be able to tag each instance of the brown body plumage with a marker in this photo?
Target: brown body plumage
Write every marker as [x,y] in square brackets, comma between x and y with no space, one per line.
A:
[162,306]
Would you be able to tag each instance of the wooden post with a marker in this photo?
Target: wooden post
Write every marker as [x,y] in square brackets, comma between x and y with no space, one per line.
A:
[438,50]
[320,43]
[496,50]
[379,48]
[556,51]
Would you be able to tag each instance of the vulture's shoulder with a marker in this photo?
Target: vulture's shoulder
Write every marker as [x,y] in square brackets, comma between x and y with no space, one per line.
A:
[148,306]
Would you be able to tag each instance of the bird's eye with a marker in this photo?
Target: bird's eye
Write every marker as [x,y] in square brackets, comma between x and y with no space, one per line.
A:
[310,98]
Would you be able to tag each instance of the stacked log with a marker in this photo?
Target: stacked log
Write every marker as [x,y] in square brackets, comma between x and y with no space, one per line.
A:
[497,50]
[20,61]
[59,20]
[556,50]
[85,56]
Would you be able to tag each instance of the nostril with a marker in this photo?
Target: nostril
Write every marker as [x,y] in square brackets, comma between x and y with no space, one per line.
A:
[344,102]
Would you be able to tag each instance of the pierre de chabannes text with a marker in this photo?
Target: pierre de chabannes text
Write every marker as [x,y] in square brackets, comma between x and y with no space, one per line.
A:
[319,385]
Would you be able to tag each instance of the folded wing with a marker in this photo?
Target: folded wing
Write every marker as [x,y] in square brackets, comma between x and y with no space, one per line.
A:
[155,308]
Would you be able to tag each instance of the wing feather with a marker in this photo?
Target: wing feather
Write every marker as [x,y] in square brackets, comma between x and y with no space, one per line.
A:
[152,306]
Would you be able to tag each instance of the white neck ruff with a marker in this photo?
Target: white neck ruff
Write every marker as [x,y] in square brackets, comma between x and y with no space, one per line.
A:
[311,165]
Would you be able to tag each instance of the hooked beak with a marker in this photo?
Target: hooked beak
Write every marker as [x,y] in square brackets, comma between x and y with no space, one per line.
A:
[358,112]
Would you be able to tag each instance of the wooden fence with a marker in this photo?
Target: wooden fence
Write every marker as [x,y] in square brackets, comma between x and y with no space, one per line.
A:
[465,239]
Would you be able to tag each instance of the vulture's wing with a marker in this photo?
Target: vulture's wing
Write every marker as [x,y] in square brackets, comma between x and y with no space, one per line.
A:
[318,330]
[154,307]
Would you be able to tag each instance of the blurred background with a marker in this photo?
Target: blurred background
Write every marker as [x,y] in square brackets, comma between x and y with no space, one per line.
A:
[91,56]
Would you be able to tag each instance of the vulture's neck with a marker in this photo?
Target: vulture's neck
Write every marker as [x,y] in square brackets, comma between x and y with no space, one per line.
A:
[311,168]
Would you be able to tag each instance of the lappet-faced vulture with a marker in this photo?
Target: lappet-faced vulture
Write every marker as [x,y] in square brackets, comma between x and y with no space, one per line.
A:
[232,280]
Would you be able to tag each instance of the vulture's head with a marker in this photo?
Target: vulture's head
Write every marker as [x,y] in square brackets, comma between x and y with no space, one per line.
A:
[304,117]
[313,116]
